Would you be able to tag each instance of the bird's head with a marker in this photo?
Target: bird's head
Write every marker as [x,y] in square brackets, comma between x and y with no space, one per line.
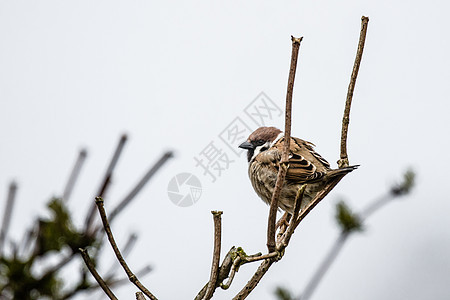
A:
[260,140]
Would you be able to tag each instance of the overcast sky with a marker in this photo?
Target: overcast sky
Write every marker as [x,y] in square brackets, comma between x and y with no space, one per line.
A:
[175,75]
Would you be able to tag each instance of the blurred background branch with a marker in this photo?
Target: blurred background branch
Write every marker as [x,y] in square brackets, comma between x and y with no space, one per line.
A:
[54,241]
[349,223]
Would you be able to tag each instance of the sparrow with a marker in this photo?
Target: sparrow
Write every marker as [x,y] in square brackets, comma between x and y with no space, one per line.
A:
[305,166]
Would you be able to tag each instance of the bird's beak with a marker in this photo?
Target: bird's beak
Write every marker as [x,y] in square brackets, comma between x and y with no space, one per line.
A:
[246,145]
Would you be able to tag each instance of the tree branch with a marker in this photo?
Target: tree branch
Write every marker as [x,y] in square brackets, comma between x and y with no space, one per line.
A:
[253,282]
[224,271]
[133,278]
[129,244]
[105,182]
[326,263]
[7,214]
[216,255]
[152,171]
[343,162]
[285,155]
[97,277]
[74,174]
[292,225]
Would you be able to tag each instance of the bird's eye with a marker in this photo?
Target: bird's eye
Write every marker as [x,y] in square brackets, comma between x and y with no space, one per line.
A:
[259,142]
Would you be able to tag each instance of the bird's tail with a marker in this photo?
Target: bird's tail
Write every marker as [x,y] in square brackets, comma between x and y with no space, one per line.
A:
[343,171]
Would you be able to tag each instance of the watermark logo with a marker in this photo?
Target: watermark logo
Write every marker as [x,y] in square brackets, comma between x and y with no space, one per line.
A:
[222,152]
[184,189]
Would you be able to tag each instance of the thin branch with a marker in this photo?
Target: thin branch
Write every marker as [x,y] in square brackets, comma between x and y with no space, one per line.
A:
[28,238]
[234,269]
[133,278]
[224,271]
[260,257]
[74,174]
[64,261]
[216,254]
[129,245]
[110,282]
[284,223]
[375,205]
[7,214]
[155,168]
[343,162]
[241,260]
[319,196]
[106,181]
[291,227]
[318,275]
[285,155]
[97,277]
[253,282]
[141,273]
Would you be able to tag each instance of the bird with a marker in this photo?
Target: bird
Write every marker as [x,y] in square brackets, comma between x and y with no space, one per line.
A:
[305,166]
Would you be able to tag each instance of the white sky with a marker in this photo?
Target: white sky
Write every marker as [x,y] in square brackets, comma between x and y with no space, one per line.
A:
[173,75]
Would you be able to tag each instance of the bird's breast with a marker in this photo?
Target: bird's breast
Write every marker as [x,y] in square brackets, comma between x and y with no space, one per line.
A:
[263,180]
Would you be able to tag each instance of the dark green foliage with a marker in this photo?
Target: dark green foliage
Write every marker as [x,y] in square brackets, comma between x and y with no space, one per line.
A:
[347,220]
[282,293]
[404,187]
[17,279]
[58,232]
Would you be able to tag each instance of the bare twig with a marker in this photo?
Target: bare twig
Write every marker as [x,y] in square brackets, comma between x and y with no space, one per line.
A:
[260,257]
[271,257]
[129,244]
[291,227]
[7,214]
[133,278]
[318,275]
[216,254]
[319,196]
[141,273]
[105,182]
[285,155]
[165,157]
[74,174]
[110,282]
[234,269]
[343,162]
[244,259]
[97,277]
[375,205]
[253,282]
[224,271]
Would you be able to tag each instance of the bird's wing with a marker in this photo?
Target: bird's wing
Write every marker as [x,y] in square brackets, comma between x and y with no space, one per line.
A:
[305,165]
[310,148]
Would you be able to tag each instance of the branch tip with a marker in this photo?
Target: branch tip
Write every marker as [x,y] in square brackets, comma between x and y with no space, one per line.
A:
[296,40]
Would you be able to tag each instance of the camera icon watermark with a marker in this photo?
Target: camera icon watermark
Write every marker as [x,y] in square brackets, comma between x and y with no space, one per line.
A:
[184,189]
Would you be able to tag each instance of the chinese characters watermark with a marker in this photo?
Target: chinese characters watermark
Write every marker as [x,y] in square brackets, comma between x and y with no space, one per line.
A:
[220,153]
